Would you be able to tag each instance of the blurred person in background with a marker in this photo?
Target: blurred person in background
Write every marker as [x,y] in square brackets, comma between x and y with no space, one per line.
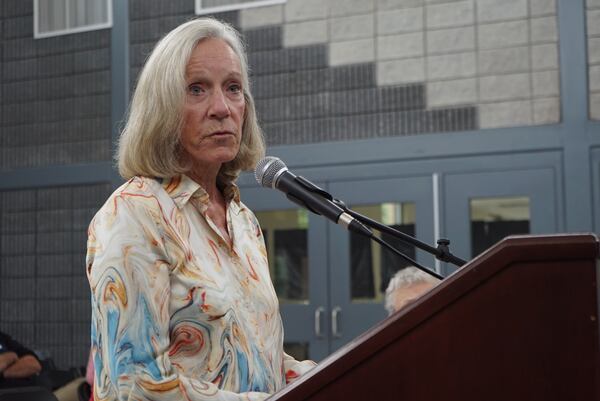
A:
[406,286]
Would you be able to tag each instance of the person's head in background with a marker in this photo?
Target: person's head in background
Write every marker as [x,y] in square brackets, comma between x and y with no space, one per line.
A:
[407,285]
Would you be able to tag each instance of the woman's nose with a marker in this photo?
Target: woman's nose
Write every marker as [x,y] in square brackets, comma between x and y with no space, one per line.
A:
[219,108]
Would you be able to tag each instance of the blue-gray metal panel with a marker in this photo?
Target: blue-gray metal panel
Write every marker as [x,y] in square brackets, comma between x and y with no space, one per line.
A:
[574,96]
[119,52]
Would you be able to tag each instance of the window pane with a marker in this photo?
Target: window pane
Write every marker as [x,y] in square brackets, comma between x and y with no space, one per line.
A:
[492,219]
[286,237]
[64,16]
[298,350]
[371,267]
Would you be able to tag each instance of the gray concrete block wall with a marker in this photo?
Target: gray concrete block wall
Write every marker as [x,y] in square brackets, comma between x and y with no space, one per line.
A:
[593,42]
[55,103]
[44,293]
[498,55]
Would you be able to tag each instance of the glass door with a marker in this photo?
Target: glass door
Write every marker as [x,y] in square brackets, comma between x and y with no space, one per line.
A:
[360,269]
[483,208]
[296,249]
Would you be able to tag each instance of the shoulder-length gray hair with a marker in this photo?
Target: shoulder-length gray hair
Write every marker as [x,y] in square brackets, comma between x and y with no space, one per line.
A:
[150,142]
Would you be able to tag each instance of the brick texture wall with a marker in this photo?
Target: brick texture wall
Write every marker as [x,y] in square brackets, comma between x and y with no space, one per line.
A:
[44,293]
[55,94]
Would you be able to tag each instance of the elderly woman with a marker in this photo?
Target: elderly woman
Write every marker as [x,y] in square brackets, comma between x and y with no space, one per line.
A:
[183,307]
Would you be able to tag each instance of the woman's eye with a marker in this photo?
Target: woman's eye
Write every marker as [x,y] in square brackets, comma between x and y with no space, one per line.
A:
[235,88]
[195,90]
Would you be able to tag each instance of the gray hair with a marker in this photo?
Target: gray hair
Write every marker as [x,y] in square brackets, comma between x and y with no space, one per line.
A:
[150,142]
[403,278]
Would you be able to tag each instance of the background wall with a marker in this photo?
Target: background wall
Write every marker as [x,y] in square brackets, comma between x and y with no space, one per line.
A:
[345,71]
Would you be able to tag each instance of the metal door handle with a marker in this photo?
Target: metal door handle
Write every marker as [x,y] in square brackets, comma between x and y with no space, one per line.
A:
[318,312]
[334,322]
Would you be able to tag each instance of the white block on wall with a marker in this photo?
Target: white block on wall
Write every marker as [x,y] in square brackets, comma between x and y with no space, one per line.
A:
[302,10]
[403,71]
[407,45]
[504,87]
[505,114]
[504,34]
[593,3]
[593,50]
[593,22]
[400,21]
[544,29]
[395,4]
[544,56]
[447,15]
[595,78]
[546,111]
[451,40]
[456,65]
[506,60]
[495,10]
[545,83]
[595,106]
[542,7]
[261,16]
[354,51]
[339,8]
[305,33]
[354,27]
[451,93]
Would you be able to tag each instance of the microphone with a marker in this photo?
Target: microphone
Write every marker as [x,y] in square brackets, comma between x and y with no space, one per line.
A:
[271,172]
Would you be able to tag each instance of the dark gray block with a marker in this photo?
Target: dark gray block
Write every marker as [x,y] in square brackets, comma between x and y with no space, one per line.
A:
[13,8]
[78,258]
[53,288]
[53,334]
[16,311]
[73,43]
[81,333]
[54,265]
[82,218]
[16,27]
[54,198]
[81,130]
[17,244]
[53,310]
[287,59]
[81,287]
[17,266]
[18,49]
[17,288]
[91,60]
[19,70]
[18,200]
[86,84]
[18,222]
[138,54]
[266,38]
[81,310]
[140,9]
[91,196]
[152,29]
[79,241]
[52,243]
[406,97]
[21,91]
[24,331]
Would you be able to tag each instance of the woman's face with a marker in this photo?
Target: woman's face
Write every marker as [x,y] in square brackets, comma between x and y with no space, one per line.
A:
[214,105]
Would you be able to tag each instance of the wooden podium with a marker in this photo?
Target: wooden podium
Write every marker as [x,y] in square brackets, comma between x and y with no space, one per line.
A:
[519,322]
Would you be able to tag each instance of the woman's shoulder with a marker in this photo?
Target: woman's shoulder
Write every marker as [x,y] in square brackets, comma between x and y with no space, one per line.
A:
[137,193]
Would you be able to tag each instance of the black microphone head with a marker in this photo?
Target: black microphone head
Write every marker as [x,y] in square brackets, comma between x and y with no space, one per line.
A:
[267,170]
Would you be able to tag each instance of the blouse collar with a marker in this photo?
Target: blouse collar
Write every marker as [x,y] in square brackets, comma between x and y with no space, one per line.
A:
[182,188]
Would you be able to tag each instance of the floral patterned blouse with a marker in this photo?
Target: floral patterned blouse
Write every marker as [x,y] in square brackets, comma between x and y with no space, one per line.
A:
[177,312]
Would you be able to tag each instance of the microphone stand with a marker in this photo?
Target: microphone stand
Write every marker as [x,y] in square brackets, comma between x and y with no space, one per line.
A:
[442,252]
